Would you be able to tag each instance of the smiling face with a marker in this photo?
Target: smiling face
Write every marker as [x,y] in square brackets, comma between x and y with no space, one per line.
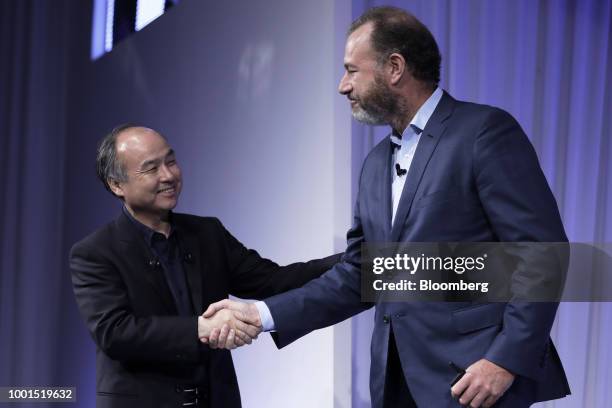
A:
[154,179]
[364,84]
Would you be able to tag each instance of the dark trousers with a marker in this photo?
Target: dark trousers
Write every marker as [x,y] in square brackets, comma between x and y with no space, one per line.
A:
[397,394]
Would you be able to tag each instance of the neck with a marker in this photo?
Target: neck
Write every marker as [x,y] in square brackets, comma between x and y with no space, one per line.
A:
[158,222]
[409,105]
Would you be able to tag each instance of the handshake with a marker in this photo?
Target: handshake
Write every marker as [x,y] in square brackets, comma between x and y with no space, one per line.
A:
[228,324]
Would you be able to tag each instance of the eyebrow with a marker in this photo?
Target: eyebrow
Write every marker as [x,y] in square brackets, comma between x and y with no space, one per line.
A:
[150,162]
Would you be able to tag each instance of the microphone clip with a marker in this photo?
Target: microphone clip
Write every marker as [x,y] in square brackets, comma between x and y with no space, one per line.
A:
[399,171]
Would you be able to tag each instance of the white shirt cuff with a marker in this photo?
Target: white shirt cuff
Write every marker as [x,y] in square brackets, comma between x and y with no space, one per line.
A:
[266,317]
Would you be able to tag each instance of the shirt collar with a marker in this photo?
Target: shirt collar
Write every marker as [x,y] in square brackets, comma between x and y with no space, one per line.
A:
[420,119]
[148,233]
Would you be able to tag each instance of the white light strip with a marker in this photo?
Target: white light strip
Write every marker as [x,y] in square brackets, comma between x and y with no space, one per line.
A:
[110,16]
[147,11]
[98,29]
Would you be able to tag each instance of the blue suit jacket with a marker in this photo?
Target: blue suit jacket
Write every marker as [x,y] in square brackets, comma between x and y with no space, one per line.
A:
[475,177]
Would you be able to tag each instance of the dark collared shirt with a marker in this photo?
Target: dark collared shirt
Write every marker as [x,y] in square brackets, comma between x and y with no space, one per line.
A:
[169,254]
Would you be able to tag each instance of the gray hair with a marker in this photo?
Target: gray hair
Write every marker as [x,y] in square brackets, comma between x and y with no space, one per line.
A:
[108,167]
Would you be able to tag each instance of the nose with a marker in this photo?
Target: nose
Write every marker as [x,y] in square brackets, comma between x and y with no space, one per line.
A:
[166,173]
[344,87]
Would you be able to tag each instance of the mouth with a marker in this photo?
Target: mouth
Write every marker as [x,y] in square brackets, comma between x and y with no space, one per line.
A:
[167,190]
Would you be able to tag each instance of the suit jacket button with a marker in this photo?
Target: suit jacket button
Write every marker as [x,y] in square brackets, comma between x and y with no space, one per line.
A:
[386,319]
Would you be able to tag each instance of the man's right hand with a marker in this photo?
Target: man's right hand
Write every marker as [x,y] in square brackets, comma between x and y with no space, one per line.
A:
[227,328]
[249,324]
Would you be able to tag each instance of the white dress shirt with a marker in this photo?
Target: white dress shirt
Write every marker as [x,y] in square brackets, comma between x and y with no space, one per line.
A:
[407,146]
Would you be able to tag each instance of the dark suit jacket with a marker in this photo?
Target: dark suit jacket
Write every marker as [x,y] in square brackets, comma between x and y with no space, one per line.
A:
[475,177]
[145,351]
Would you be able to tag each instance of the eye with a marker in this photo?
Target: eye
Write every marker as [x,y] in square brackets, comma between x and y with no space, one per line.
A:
[151,169]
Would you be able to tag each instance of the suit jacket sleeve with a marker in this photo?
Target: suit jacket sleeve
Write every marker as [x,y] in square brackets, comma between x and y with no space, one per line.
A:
[254,277]
[521,208]
[330,299]
[103,301]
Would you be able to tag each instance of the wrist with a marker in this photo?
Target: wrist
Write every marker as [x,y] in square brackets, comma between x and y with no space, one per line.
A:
[254,312]
[203,327]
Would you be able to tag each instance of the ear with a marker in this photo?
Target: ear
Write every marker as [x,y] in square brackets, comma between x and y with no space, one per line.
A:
[397,67]
[116,187]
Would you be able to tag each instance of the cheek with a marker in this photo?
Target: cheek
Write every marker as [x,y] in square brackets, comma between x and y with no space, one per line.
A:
[358,87]
[148,187]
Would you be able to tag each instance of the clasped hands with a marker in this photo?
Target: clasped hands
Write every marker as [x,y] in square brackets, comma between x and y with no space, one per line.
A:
[228,324]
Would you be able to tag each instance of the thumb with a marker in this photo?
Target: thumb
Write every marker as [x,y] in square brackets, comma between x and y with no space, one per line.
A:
[215,307]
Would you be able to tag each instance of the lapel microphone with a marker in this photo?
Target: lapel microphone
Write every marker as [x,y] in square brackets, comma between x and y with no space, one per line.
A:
[187,256]
[154,263]
[400,172]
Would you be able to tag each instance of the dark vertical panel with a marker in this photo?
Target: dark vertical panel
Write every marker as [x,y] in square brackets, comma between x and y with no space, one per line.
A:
[124,20]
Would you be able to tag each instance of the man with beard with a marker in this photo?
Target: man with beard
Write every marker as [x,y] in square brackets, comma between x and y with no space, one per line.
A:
[142,280]
[450,171]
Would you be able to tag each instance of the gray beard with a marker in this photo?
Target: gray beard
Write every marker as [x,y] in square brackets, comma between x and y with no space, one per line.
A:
[377,107]
[368,117]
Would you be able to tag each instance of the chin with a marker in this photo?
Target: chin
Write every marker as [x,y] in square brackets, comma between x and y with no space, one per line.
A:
[168,204]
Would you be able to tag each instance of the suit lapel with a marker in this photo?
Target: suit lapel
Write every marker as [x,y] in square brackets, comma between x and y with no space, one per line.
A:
[386,190]
[427,144]
[192,265]
[142,261]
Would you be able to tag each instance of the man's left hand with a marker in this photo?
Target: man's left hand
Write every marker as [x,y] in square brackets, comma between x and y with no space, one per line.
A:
[482,385]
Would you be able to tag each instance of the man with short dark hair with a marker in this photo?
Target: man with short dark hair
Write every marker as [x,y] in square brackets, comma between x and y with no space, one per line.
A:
[450,171]
[142,280]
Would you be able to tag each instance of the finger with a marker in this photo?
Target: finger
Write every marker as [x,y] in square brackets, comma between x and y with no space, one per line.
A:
[490,401]
[468,395]
[213,338]
[478,399]
[238,341]
[460,386]
[223,336]
[229,343]
[243,337]
[215,307]
[204,340]
[250,330]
